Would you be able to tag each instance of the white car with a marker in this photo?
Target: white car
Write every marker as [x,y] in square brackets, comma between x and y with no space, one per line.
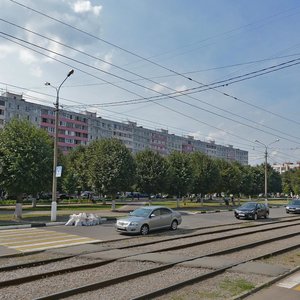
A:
[148,218]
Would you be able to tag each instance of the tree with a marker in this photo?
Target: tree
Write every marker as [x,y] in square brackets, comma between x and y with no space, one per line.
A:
[291,182]
[75,176]
[287,182]
[230,177]
[247,180]
[151,172]
[179,173]
[110,166]
[206,175]
[26,154]
[274,181]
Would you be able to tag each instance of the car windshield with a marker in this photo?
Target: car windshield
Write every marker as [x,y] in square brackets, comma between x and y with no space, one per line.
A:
[295,202]
[141,212]
[249,205]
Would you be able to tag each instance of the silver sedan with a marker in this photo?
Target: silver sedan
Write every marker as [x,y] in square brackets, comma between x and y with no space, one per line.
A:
[148,218]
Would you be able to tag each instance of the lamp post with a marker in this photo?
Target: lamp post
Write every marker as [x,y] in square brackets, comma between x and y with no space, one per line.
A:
[266,167]
[54,178]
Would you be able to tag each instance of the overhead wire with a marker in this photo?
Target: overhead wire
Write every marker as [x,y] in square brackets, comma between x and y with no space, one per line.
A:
[150,61]
[130,52]
[121,48]
[222,116]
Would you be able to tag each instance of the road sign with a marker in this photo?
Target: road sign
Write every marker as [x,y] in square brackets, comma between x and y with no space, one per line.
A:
[58,171]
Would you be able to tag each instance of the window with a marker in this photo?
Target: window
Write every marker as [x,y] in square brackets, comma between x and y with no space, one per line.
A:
[156,213]
[2,103]
[165,211]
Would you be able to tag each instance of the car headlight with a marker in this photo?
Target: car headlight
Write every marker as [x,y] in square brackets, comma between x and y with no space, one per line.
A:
[287,207]
[133,224]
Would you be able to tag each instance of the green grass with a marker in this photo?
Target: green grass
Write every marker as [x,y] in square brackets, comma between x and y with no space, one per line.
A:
[236,286]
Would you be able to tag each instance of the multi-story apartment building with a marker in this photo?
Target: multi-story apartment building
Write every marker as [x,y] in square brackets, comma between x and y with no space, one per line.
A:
[81,128]
[281,168]
[72,127]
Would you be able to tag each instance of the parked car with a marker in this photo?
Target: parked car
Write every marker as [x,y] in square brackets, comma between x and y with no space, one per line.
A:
[86,194]
[252,210]
[293,207]
[148,218]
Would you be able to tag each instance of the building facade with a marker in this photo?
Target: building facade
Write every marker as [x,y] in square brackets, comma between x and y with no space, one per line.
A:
[287,166]
[76,129]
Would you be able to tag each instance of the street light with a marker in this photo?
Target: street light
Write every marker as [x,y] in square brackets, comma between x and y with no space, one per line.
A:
[54,178]
[266,167]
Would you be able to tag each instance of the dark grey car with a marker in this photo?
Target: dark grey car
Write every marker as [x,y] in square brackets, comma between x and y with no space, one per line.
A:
[252,210]
[293,207]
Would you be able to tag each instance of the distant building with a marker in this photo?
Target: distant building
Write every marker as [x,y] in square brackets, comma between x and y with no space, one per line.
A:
[281,168]
[81,128]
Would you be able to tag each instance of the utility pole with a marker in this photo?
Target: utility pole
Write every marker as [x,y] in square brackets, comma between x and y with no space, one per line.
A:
[54,177]
[266,167]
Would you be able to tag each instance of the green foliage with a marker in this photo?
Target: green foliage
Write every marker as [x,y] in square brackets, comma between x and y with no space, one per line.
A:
[231,177]
[291,182]
[110,167]
[26,154]
[206,174]
[151,172]
[180,173]
[75,176]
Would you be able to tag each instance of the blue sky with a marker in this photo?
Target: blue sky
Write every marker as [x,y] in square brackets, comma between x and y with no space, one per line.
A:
[216,49]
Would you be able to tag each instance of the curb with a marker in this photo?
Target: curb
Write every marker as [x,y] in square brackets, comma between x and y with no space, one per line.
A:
[266,284]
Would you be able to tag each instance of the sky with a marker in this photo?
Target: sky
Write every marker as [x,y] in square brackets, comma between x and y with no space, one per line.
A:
[219,70]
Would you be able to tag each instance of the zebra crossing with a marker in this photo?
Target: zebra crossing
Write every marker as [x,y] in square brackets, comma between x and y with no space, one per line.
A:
[292,282]
[35,239]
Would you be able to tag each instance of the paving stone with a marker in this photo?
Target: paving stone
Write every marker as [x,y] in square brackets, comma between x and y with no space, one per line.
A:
[159,258]
[111,254]
[210,262]
[79,249]
[260,268]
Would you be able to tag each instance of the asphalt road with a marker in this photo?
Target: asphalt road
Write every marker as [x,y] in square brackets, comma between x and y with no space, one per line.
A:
[190,221]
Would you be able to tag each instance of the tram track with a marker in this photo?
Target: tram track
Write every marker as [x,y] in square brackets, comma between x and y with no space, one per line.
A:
[157,269]
[111,245]
[177,239]
[137,277]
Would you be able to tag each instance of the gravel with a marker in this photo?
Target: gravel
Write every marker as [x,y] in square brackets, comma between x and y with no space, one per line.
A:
[60,265]
[132,288]
[11,261]
[220,287]
[137,287]
[55,284]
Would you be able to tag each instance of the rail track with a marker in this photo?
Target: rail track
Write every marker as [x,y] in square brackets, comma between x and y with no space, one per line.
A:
[145,259]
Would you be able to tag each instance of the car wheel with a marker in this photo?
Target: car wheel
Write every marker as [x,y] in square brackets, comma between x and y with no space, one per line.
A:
[255,217]
[287,212]
[237,217]
[267,215]
[174,225]
[144,229]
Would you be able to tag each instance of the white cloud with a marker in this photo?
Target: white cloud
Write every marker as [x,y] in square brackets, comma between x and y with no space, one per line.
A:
[181,88]
[160,87]
[108,57]
[5,49]
[84,6]
[27,57]
[36,71]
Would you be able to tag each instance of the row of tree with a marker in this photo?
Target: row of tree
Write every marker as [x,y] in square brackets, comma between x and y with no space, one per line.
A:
[108,167]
